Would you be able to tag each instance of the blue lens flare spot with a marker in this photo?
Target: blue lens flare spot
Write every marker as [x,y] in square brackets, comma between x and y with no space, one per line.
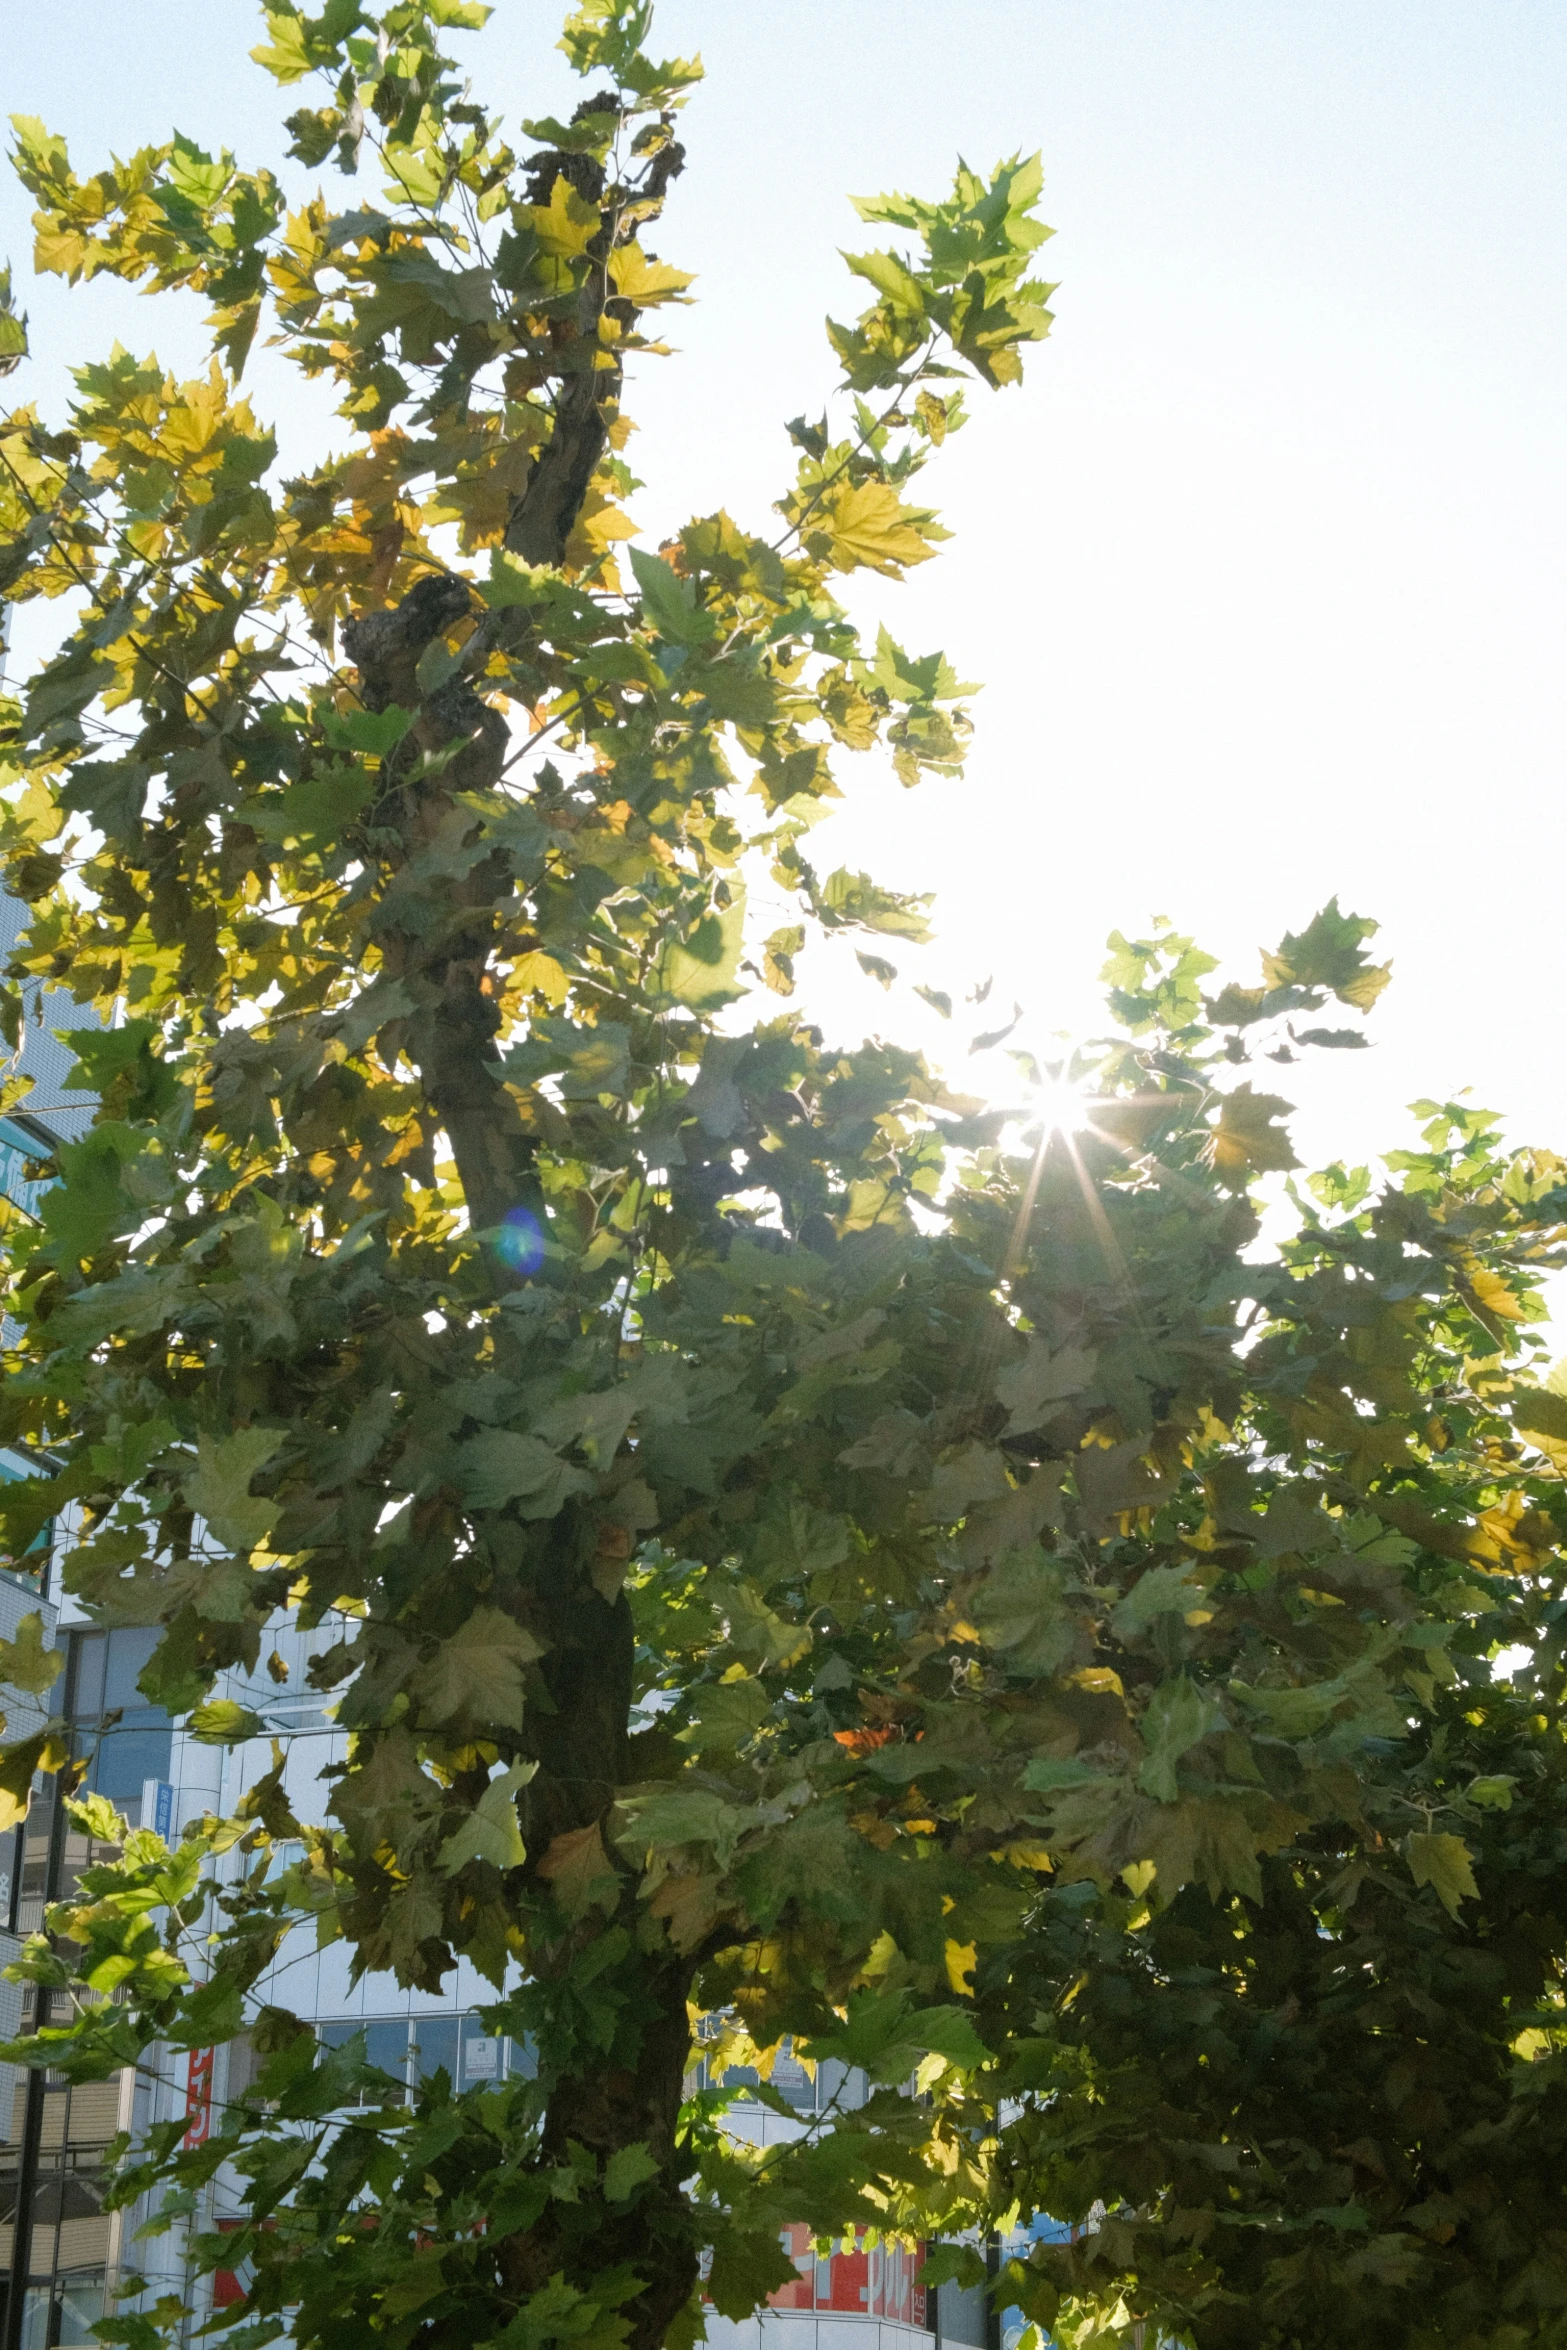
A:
[520,1242]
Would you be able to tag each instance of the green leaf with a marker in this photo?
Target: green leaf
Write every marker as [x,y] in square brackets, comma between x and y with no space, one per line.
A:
[1161,1591]
[699,970]
[1246,1137]
[669,601]
[590,1059]
[13,329]
[1327,953]
[218,1487]
[628,2168]
[490,1833]
[501,1467]
[1176,1716]
[726,1714]
[374,732]
[604,36]
[762,1637]
[1539,1412]
[885,2034]
[1038,1387]
[25,1662]
[226,1723]
[478,1674]
[1020,1611]
[1443,1863]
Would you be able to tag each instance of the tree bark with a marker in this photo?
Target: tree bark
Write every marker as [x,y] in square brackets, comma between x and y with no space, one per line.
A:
[450,1035]
[579,1738]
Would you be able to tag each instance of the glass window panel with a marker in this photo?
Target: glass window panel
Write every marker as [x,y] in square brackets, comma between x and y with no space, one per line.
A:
[435,2046]
[524,2060]
[79,2306]
[386,2045]
[90,1658]
[134,1750]
[129,1652]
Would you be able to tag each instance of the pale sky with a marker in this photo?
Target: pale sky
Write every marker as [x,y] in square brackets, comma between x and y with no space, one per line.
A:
[1262,569]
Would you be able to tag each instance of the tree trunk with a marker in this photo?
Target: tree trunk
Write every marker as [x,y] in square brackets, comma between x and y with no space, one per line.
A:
[579,1739]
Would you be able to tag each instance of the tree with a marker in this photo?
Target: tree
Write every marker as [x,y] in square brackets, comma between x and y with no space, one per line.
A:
[761,1525]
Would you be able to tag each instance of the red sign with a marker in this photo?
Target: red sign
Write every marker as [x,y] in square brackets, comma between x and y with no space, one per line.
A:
[871,2281]
[198,2097]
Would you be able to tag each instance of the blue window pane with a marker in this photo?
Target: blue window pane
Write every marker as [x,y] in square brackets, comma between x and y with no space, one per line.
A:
[386,2045]
[133,1751]
[435,2046]
[129,1654]
[385,2042]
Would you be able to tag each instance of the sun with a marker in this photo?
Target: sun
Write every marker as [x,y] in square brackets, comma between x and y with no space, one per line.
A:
[1060,1103]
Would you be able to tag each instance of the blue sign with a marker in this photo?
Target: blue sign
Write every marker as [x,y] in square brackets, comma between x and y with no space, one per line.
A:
[163,1809]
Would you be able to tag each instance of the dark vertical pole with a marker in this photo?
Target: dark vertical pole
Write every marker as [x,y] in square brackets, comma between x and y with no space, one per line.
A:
[992,2306]
[33,2115]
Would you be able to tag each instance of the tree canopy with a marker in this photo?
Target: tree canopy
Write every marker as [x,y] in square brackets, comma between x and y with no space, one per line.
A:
[793,1543]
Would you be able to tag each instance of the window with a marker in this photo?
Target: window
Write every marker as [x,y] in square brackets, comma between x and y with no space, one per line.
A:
[137,1747]
[413,2049]
[435,2047]
[385,2047]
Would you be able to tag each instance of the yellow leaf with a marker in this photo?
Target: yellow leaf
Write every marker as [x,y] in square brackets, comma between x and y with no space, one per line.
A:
[867,523]
[46,1751]
[1494,1295]
[542,975]
[567,224]
[961,1957]
[643,281]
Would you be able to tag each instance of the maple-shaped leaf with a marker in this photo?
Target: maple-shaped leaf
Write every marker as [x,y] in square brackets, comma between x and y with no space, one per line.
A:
[1446,1865]
[490,1831]
[580,1872]
[478,1674]
[218,1488]
[1247,1138]
[1176,1716]
[1035,1388]
[867,525]
[1328,953]
[25,1662]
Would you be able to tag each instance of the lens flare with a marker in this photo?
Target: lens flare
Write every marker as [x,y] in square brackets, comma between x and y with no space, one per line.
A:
[1063,1107]
[520,1242]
